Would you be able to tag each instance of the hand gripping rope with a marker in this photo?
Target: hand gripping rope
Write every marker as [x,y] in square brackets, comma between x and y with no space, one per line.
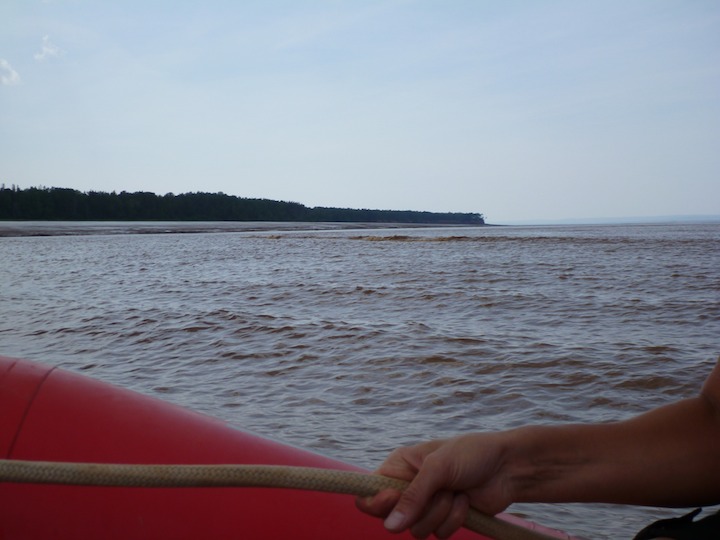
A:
[270,476]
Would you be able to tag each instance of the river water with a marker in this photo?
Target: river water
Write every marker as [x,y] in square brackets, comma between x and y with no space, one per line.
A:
[350,342]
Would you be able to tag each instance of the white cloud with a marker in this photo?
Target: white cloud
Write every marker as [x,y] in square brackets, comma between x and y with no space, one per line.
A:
[49,50]
[8,76]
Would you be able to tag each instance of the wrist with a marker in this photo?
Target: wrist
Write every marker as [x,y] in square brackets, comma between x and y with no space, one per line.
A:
[541,464]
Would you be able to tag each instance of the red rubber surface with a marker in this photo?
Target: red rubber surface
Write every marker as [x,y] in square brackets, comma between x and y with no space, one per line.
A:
[54,415]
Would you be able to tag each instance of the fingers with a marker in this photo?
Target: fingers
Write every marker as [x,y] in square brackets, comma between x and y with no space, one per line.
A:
[416,498]
[427,505]
[444,515]
[379,505]
[434,515]
[397,465]
[455,518]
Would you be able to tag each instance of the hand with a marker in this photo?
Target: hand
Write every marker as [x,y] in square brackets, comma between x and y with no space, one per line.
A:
[446,478]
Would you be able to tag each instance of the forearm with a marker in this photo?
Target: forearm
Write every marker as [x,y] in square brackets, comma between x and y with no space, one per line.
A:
[667,457]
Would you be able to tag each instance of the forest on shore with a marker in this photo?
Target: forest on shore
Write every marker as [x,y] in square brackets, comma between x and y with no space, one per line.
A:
[65,204]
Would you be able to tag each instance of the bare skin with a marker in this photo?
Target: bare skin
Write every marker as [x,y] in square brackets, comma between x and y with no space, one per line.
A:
[628,462]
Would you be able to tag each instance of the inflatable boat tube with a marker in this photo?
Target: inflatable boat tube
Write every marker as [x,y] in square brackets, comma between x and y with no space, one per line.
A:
[49,414]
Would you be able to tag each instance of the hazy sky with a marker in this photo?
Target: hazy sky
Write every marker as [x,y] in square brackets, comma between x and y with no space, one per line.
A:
[517,109]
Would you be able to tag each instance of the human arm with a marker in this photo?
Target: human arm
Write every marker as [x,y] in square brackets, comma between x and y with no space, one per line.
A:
[669,456]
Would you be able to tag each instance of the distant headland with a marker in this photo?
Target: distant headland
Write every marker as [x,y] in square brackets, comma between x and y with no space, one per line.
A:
[65,204]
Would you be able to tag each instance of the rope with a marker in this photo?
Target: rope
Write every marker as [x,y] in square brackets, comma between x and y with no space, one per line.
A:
[273,476]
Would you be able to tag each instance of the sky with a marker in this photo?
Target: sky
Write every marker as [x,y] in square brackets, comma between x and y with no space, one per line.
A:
[519,110]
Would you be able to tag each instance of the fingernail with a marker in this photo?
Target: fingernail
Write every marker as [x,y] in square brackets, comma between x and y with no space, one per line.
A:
[394,521]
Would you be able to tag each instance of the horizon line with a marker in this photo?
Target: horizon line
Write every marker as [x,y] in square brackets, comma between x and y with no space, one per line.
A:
[649,220]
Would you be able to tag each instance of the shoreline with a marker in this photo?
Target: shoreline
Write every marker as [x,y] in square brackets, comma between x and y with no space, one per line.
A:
[14,229]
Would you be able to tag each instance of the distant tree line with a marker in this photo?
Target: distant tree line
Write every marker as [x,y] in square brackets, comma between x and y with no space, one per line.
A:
[42,203]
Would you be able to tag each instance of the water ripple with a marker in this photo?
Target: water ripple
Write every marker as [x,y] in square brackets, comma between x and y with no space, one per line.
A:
[352,344]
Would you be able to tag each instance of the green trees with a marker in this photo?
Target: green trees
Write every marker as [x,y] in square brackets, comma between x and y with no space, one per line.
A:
[41,203]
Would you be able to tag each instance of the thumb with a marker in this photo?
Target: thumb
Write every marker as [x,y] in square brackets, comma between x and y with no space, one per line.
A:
[413,501]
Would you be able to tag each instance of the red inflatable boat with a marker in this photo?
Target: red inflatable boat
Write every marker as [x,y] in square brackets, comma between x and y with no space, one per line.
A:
[48,414]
